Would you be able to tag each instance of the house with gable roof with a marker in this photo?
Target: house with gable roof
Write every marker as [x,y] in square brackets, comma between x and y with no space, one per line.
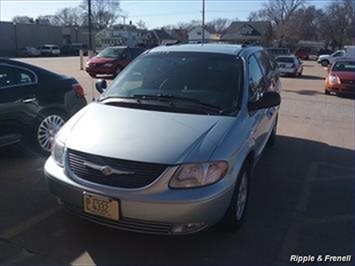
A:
[249,32]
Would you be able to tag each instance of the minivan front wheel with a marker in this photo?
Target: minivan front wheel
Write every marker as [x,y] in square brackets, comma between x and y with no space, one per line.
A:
[234,216]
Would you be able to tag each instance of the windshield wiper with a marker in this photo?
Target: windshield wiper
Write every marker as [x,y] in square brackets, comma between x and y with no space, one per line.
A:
[173,98]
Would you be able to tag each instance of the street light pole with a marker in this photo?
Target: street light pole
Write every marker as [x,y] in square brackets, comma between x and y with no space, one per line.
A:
[89,21]
[203,21]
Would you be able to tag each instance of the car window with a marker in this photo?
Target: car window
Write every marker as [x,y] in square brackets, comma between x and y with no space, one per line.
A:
[348,66]
[207,77]
[6,76]
[284,59]
[264,62]
[11,76]
[255,78]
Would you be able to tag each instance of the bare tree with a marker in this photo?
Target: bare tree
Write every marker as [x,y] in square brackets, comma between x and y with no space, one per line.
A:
[67,17]
[339,26]
[22,19]
[189,25]
[51,19]
[280,12]
[219,24]
[141,25]
[104,13]
[309,22]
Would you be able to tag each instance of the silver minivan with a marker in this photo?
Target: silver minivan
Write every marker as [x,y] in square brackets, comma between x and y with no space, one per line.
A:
[170,145]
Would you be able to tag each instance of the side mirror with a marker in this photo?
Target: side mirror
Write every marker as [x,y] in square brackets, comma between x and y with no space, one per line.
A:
[266,100]
[101,85]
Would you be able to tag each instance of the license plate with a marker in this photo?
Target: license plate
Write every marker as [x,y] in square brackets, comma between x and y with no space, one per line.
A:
[101,206]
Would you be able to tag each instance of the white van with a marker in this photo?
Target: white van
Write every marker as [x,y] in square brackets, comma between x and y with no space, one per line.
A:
[49,49]
[326,60]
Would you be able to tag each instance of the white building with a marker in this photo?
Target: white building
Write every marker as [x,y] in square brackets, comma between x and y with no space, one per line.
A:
[195,35]
[119,35]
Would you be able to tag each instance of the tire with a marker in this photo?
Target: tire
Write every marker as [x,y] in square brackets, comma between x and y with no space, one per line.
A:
[272,138]
[327,92]
[234,217]
[45,130]
[324,63]
[93,75]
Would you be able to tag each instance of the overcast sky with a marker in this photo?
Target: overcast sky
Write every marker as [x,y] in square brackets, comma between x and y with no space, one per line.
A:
[155,13]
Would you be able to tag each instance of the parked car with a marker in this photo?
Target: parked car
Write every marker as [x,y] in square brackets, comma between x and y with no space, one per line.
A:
[74,49]
[170,146]
[290,65]
[112,60]
[307,53]
[35,103]
[28,52]
[49,50]
[340,78]
[326,60]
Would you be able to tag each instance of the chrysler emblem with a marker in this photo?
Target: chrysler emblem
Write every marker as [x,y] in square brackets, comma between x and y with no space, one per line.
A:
[107,170]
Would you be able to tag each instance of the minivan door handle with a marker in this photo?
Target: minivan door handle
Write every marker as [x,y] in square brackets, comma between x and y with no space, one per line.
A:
[29,99]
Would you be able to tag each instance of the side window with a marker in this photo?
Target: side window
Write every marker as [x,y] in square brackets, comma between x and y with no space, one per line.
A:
[6,76]
[255,78]
[12,76]
[264,61]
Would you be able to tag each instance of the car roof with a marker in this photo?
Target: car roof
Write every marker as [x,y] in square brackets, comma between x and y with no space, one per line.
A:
[230,49]
[38,70]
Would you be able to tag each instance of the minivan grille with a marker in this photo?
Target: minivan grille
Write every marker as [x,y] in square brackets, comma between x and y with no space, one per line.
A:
[141,174]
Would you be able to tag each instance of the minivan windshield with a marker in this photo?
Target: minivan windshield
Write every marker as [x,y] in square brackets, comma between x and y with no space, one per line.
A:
[207,78]
[111,52]
[345,66]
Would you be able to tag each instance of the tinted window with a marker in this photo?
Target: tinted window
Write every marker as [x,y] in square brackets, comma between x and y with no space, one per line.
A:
[255,78]
[210,78]
[6,78]
[11,76]
[344,66]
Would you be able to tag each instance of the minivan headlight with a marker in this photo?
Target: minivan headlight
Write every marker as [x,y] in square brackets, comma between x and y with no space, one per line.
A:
[58,150]
[198,174]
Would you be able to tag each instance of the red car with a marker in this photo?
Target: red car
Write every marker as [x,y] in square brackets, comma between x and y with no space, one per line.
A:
[341,77]
[112,60]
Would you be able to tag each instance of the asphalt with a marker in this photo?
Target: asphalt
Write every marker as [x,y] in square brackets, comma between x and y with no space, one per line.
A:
[301,201]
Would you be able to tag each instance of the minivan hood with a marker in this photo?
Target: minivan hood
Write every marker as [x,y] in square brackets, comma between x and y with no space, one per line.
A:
[101,60]
[147,136]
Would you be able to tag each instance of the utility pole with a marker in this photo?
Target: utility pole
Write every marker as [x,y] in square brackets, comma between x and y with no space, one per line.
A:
[89,21]
[203,21]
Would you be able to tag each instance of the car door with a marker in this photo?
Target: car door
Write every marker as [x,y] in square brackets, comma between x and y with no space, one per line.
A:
[18,99]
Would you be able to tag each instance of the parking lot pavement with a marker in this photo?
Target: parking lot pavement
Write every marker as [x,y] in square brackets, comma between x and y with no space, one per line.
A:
[301,201]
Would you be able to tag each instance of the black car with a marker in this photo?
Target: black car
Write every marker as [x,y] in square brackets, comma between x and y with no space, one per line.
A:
[35,103]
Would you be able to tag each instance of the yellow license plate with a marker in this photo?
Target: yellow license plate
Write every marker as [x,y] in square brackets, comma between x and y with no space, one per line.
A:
[101,206]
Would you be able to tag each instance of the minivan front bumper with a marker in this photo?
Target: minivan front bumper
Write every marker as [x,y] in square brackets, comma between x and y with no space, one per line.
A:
[176,211]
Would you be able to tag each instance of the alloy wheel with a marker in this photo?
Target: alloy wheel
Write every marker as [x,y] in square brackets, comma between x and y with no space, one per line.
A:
[47,130]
